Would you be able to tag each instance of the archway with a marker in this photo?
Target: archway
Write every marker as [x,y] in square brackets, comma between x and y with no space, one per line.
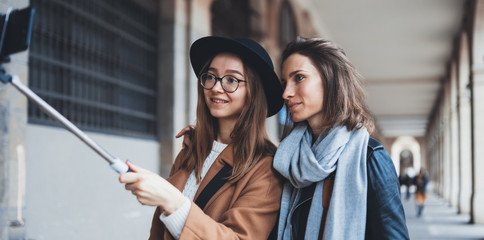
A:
[406,162]
[403,147]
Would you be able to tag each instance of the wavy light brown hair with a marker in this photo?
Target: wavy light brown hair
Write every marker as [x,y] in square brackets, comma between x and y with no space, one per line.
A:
[344,98]
[249,137]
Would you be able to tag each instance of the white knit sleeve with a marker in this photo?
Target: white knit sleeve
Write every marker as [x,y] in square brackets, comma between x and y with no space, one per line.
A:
[175,221]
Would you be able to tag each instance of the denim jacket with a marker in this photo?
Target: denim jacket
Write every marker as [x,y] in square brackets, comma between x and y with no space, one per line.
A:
[385,216]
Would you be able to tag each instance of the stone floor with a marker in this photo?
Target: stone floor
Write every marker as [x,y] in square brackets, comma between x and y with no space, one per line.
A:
[439,221]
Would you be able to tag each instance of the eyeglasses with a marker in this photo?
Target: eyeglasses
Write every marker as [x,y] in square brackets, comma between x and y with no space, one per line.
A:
[229,83]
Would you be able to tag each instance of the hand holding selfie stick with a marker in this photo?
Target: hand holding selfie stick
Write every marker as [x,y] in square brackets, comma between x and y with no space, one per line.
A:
[114,162]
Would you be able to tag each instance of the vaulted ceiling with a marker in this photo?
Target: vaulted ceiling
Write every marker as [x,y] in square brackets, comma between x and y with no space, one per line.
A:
[402,49]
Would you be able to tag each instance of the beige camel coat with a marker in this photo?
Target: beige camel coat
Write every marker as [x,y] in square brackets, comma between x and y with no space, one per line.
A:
[246,209]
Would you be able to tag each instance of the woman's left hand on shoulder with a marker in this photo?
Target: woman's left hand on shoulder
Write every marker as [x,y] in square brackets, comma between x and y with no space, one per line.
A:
[151,189]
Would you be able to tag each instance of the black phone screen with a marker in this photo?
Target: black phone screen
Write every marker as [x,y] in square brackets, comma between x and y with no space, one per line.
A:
[16,38]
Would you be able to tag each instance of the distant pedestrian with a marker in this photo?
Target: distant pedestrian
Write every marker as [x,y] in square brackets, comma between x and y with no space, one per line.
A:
[408,178]
[421,181]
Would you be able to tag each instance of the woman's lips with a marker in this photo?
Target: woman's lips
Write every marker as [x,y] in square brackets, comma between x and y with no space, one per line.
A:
[292,106]
[218,100]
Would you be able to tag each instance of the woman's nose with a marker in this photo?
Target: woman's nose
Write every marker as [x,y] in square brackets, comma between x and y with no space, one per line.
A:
[218,87]
[288,92]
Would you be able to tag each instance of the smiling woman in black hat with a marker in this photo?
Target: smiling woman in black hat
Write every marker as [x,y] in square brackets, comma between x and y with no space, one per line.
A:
[222,185]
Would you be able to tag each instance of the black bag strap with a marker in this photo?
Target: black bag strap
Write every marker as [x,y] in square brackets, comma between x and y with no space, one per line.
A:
[213,186]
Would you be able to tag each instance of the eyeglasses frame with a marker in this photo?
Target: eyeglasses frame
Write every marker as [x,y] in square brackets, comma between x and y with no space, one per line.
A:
[219,79]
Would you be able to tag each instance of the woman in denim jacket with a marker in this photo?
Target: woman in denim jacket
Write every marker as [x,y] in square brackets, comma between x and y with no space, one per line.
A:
[328,141]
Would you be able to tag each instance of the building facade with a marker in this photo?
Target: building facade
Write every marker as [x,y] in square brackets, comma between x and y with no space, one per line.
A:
[119,69]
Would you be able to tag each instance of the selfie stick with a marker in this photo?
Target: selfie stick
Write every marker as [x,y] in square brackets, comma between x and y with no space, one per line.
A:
[115,163]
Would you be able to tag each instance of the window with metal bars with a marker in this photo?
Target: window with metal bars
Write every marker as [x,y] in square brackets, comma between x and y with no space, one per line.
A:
[95,62]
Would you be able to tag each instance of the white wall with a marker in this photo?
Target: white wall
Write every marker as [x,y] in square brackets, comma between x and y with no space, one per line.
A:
[72,193]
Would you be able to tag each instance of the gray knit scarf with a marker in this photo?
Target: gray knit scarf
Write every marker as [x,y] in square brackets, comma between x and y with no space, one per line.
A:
[302,164]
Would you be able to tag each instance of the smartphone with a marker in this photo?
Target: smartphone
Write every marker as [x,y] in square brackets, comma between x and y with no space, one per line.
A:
[16,35]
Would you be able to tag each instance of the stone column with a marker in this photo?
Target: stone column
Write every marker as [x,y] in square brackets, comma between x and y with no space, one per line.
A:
[464,111]
[445,128]
[433,155]
[166,68]
[441,156]
[4,156]
[13,122]
[454,146]
[478,137]
[478,112]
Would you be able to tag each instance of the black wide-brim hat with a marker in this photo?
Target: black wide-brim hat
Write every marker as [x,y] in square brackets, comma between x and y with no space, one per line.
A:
[251,53]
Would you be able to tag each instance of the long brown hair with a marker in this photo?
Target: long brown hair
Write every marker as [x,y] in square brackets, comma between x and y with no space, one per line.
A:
[249,136]
[344,98]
